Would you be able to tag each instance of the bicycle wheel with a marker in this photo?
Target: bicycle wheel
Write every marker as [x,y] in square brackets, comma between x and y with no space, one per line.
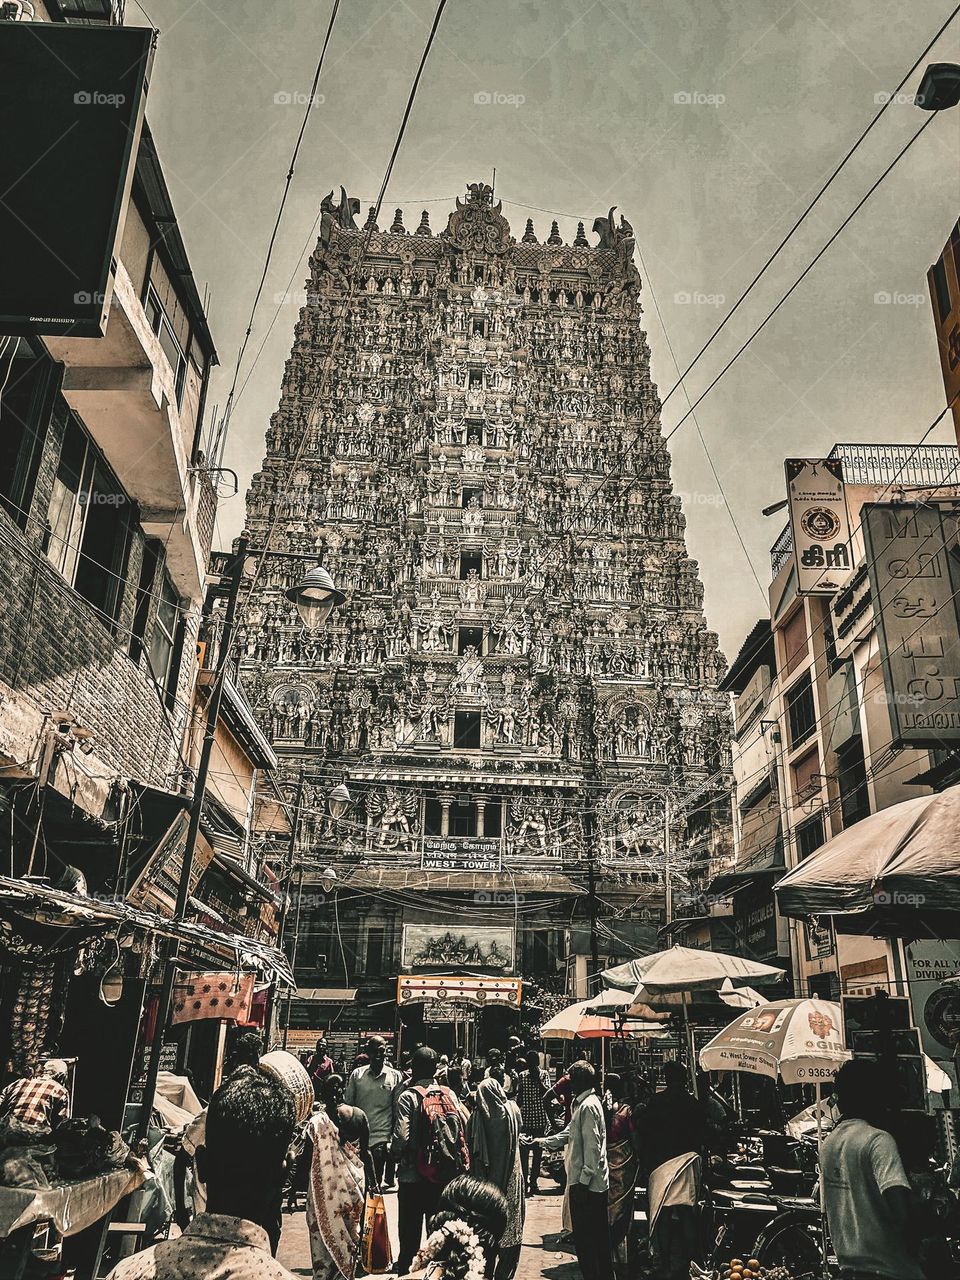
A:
[791,1242]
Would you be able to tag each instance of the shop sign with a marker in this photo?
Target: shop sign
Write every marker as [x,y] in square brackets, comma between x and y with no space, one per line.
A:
[480,992]
[820,524]
[914,583]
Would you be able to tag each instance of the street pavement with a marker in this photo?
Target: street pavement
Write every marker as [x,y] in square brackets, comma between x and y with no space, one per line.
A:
[542,1254]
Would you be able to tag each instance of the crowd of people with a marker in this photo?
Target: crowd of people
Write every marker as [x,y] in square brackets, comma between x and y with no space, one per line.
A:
[461,1143]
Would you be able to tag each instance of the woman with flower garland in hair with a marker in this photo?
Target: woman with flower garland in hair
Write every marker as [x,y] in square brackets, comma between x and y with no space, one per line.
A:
[465,1233]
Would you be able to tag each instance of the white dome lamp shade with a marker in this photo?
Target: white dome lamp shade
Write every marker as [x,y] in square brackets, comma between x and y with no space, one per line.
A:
[315,596]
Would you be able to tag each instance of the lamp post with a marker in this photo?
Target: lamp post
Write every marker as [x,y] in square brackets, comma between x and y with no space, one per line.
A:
[315,597]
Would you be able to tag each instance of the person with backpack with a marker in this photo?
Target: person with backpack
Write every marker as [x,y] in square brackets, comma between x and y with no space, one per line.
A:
[430,1146]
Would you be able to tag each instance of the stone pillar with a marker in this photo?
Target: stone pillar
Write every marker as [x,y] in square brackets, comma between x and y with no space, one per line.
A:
[481,803]
[446,800]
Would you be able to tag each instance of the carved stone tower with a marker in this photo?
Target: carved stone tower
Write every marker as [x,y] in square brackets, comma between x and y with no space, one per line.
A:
[469,440]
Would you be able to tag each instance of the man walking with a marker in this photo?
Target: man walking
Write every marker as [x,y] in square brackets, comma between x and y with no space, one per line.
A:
[429,1144]
[373,1088]
[866,1191]
[588,1174]
[672,1138]
[533,1084]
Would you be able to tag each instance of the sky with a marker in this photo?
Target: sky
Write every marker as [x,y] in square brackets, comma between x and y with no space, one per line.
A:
[710,124]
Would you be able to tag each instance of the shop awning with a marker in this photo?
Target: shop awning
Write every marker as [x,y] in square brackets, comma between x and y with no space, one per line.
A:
[898,863]
[40,903]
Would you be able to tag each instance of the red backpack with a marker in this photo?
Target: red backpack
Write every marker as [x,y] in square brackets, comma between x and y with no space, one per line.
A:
[441,1148]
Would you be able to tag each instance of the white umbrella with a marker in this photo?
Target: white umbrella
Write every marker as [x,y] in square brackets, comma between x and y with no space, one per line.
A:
[670,976]
[801,1041]
[688,969]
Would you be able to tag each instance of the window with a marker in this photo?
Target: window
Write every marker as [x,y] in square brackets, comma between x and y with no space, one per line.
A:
[169,341]
[479,327]
[463,817]
[493,817]
[941,289]
[88,528]
[432,817]
[851,768]
[471,560]
[141,612]
[466,730]
[166,642]
[376,938]
[467,636]
[810,836]
[27,381]
[476,379]
[801,715]
[468,494]
[795,641]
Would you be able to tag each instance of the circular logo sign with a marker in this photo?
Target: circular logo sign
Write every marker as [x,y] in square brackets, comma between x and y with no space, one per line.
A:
[819,523]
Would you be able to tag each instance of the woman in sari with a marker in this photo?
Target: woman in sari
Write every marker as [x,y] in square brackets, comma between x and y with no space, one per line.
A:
[494,1135]
[340,1172]
[624,1167]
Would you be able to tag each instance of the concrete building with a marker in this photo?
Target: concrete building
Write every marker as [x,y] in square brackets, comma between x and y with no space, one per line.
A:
[106,520]
[814,749]
[943,281]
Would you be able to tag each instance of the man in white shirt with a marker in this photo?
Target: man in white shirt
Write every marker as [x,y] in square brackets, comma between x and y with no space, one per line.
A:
[588,1174]
[373,1088]
[866,1191]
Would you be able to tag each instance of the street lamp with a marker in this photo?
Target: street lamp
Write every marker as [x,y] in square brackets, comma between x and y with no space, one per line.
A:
[315,596]
[338,801]
[940,87]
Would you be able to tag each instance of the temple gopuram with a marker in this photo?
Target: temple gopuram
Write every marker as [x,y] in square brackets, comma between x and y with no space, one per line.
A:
[519,691]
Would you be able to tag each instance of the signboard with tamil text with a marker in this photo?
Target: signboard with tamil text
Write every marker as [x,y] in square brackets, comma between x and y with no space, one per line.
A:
[461,853]
[820,524]
[914,581]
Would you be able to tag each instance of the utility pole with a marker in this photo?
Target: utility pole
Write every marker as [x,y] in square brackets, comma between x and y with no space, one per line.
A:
[193,831]
[294,834]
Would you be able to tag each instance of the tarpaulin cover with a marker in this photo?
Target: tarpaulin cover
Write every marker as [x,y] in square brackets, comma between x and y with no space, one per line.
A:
[905,858]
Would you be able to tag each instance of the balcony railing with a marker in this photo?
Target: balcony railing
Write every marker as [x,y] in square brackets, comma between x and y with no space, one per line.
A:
[900,464]
[781,551]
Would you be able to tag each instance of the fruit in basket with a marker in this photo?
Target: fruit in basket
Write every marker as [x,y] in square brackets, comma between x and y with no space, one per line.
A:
[754,1264]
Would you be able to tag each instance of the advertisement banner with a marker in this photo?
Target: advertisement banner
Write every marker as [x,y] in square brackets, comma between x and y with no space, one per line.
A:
[935,1003]
[820,524]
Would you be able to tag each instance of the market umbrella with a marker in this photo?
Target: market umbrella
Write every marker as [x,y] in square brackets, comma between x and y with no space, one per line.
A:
[688,969]
[902,860]
[670,977]
[801,1041]
[576,1022]
[614,1003]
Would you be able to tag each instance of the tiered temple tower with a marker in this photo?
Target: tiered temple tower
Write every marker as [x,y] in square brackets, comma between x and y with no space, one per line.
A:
[468,438]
